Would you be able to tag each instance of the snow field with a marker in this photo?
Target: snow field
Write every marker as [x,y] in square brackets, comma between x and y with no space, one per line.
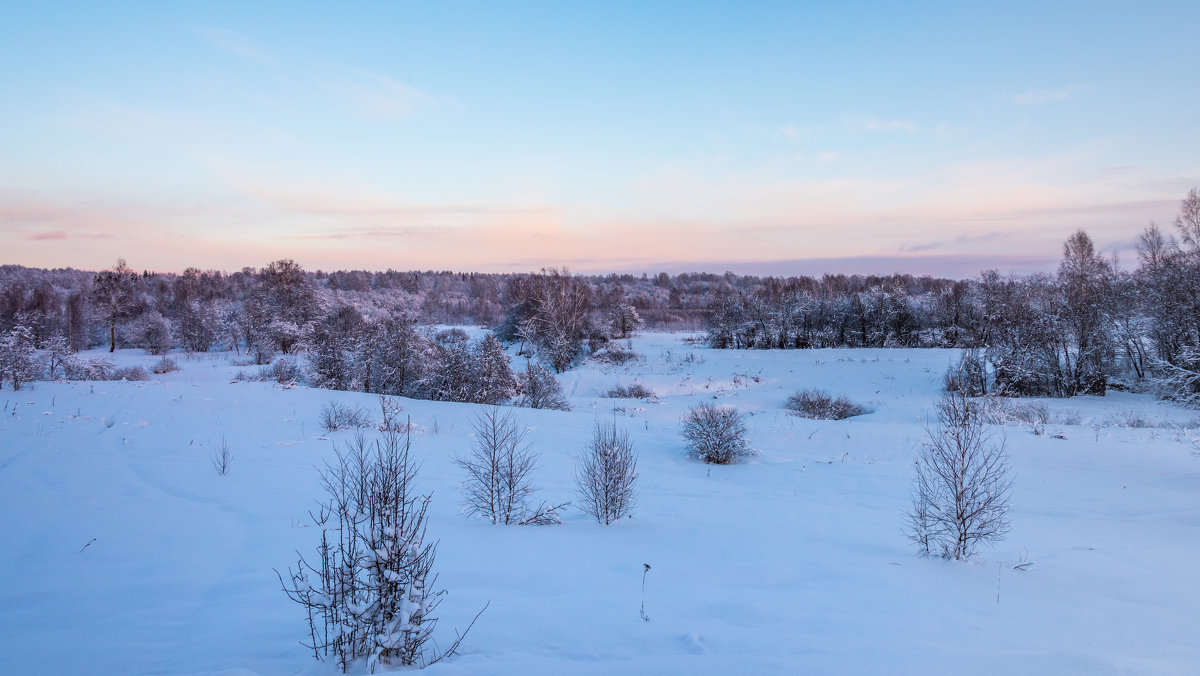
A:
[793,561]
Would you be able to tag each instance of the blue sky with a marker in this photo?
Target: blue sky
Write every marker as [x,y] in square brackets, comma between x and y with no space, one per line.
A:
[768,137]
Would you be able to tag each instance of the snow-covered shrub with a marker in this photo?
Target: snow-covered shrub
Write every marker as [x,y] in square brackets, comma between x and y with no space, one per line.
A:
[715,434]
[634,391]
[822,406]
[968,375]
[369,593]
[606,473]
[130,373]
[615,353]
[498,467]
[1131,418]
[1001,411]
[88,369]
[164,365]
[338,416]
[283,370]
[540,389]
[961,491]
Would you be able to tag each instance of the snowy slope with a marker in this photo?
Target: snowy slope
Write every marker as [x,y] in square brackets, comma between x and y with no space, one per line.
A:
[792,562]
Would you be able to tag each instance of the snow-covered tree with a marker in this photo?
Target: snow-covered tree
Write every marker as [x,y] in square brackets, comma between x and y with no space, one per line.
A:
[540,389]
[152,332]
[453,375]
[199,325]
[334,357]
[369,593]
[57,354]
[18,358]
[113,297]
[495,382]
[623,321]
[399,357]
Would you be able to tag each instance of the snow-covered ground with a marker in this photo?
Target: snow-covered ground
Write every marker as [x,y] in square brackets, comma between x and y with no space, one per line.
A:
[122,551]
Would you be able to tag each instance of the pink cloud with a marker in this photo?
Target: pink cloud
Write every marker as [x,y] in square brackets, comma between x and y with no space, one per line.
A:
[53,234]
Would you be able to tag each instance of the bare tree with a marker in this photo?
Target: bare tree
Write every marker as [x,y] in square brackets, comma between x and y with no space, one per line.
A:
[370,594]
[498,467]
[961,491]
[606,473]
[222,458]
[1085,282]
[715,434]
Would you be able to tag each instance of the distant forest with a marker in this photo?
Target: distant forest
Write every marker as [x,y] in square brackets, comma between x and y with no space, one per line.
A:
[1084,329]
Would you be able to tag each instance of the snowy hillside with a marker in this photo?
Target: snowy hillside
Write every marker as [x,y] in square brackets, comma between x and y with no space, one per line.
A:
[123,551]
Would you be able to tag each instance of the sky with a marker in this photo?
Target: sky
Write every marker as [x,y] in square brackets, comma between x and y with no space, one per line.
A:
[757,137]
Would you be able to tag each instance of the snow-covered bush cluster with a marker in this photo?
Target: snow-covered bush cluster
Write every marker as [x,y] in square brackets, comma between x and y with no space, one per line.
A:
[631,391]
[715,434]
[822,406]
[338,416]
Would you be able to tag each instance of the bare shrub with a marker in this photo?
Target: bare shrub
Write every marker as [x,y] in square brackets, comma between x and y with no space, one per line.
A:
[370,592]
[1131,419]
[164,365]
[961,491]
[390,415]
[283,370]
[338,416]
[715,434]
[634,391]
[821,406]
[222,458]
[498,467]
[606,473]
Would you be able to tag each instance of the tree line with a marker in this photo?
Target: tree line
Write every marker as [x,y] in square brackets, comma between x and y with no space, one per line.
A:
[1085,328]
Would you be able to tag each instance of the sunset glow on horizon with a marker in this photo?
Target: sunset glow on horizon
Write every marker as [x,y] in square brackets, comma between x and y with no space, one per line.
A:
[767,138]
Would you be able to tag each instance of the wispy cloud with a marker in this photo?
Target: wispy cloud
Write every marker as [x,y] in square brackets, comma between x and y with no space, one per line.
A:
[381,96]
[960,240]
[1034,97]
[875,124]
[52,234]
[234,43]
